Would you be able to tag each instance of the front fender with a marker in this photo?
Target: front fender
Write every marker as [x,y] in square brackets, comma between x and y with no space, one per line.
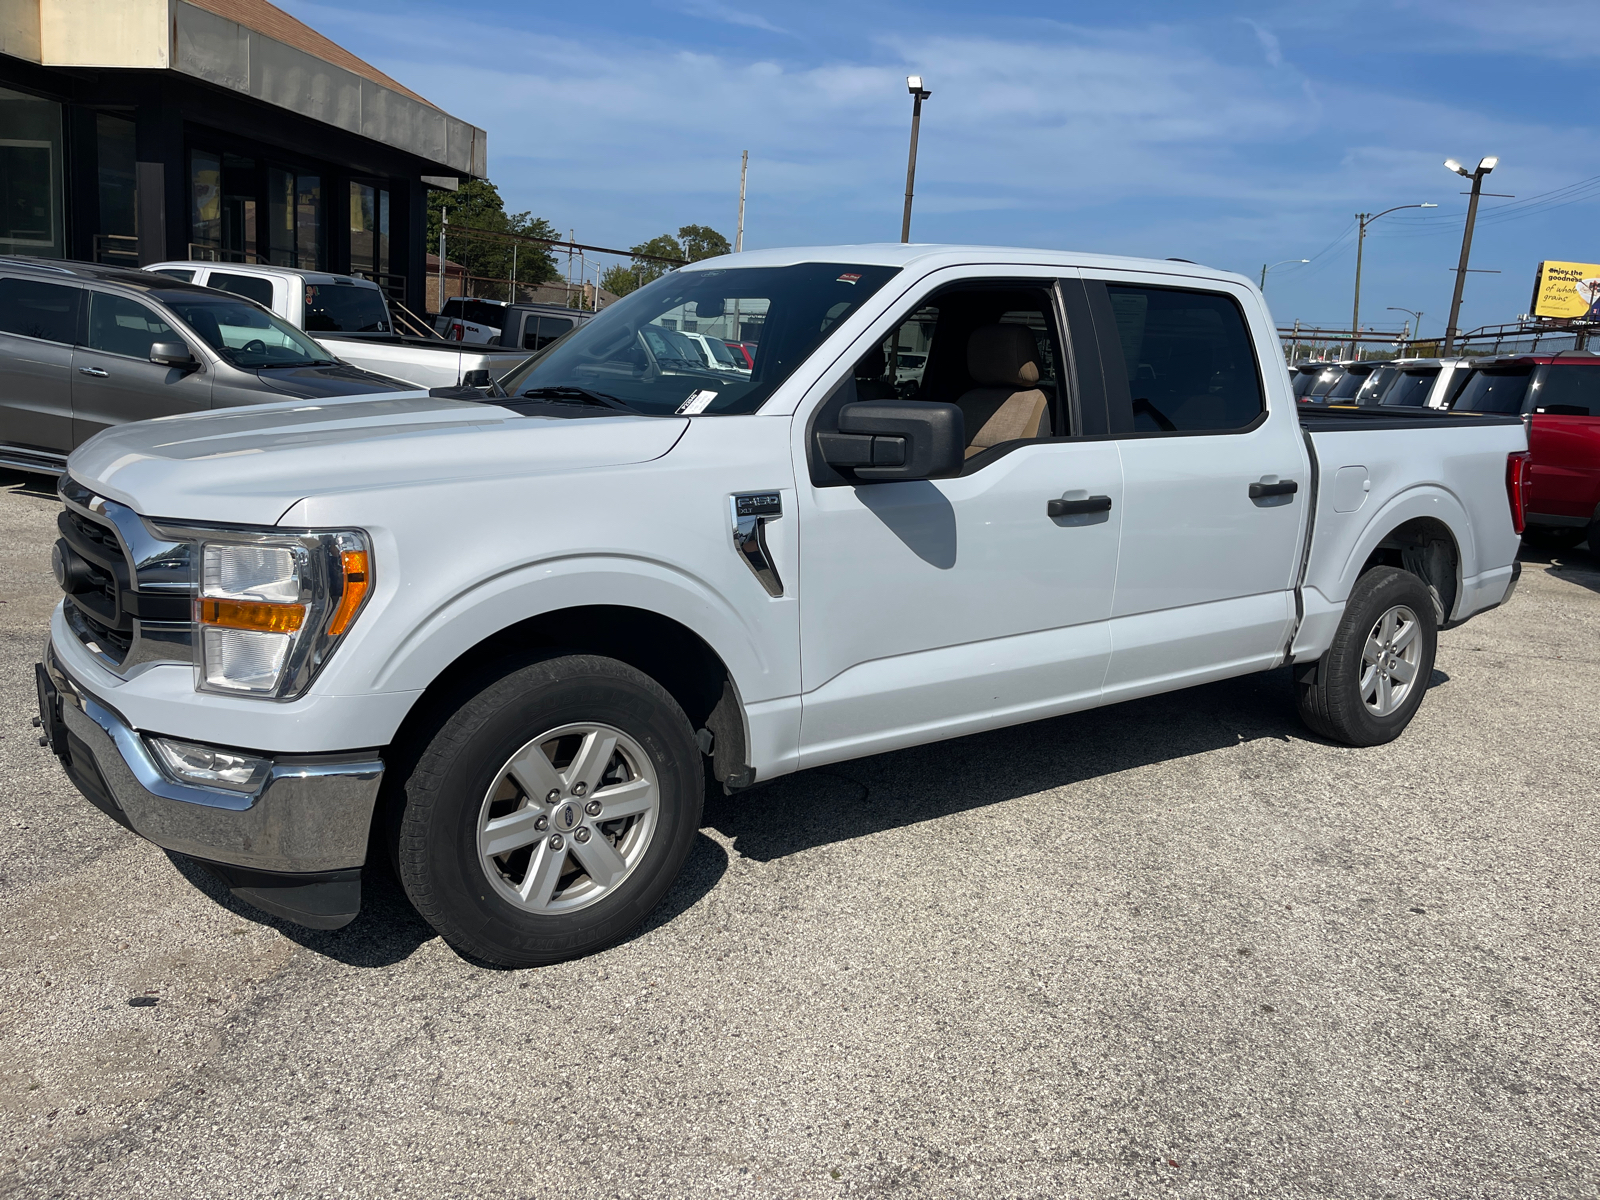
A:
[550,585]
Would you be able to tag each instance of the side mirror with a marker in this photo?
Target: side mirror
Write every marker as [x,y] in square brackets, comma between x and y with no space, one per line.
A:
[171,354]
[883,440]
[476,379]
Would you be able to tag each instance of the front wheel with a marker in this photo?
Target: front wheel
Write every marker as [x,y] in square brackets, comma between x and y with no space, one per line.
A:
[1367,687]
[551,812]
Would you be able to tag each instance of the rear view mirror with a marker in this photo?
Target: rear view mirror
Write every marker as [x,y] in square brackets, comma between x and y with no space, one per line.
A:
[171,354]
[883,440]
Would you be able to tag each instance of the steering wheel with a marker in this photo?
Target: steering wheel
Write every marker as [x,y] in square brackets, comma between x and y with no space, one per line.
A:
[255,346]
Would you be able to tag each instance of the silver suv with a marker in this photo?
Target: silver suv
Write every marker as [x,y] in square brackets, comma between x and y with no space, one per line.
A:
[84,346]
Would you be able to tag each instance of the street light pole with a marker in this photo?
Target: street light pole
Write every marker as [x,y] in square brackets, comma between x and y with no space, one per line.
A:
[1265,268]
[1366,219]
[1415,312]
[738,238]
[1485,165]
[918,95]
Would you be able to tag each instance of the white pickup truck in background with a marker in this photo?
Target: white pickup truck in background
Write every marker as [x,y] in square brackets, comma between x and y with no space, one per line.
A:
[351,319]
[503,643]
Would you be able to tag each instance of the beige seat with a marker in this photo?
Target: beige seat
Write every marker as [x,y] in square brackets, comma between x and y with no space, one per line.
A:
[1007,404]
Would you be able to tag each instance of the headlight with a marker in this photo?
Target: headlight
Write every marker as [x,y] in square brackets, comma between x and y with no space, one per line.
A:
[271,609]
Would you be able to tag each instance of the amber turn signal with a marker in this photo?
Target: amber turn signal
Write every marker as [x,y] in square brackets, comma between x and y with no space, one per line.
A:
[355,590]
[248,614]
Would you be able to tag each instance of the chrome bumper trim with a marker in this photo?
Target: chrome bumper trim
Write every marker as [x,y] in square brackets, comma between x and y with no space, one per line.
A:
[310,813]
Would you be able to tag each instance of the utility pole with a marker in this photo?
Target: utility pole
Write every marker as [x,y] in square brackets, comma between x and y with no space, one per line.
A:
[744,167]
[1485,165]
[918,95]
[1366,219]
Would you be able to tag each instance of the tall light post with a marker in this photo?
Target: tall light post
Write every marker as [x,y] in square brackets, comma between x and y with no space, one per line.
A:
[1485,165]
[1361,238]
[918,95]
[1417,328]
[1265,268]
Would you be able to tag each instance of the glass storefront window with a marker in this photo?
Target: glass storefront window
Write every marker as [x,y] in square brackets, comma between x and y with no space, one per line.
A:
[308,221]
[30,176]
[280,217]
[369,230]
[119,223]
[205,203]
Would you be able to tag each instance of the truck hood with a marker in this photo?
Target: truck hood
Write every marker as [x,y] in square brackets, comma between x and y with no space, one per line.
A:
[249,465]
[318,383]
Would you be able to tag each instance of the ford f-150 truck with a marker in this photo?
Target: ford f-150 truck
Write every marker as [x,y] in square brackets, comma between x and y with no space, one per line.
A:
[506,644]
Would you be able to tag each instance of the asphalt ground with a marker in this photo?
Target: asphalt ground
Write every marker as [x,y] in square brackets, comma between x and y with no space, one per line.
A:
[1179,947]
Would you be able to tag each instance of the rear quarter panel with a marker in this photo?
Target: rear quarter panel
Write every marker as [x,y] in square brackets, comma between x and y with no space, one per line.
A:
[1452,474]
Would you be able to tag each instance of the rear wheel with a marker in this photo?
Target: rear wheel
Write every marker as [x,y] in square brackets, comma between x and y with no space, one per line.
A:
[551,812]
[1367,687]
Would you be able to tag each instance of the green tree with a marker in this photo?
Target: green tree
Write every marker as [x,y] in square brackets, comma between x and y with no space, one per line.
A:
[701,241]
[619,280]
[477,205]
[665,246]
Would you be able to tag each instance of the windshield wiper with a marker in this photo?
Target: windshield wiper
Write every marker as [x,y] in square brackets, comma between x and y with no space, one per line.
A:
[565,394]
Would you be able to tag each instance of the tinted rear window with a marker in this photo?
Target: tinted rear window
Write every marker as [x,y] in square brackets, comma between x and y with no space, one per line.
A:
[1190,363]
[345,308]
[39,310]
[479,312]
[1349,384]
[1411,389]
[1494,391]
[1569,391]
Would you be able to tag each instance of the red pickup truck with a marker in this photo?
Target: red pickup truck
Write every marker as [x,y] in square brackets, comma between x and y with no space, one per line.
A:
[1559,396]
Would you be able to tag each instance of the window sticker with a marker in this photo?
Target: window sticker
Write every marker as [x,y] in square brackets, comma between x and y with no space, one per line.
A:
[696,403]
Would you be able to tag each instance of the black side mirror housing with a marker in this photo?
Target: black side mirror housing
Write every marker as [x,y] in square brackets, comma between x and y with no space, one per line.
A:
[879,441]
[171,354]
[476,379]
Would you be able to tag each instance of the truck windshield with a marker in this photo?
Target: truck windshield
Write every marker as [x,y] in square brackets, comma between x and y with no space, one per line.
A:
[345,308]
[1494,391]
[637,351]
[245,335]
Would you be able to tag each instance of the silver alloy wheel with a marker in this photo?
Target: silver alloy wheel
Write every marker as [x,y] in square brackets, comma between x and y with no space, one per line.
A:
[568,818]
[1390,660]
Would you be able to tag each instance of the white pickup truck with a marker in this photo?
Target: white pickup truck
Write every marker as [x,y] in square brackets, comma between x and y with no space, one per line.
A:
[505,644]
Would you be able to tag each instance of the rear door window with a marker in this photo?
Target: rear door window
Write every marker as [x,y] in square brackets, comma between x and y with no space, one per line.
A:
[1494,391]
[1569,392]
[1190,363]
[539,332]
[48,311]
[1410,389]
[119,325]
[252,287]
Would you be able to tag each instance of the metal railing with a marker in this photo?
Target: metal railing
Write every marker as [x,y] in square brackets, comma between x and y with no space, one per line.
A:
[116,249]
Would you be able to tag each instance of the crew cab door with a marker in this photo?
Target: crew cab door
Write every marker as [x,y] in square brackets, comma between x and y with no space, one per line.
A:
[1216,478]
[930,608]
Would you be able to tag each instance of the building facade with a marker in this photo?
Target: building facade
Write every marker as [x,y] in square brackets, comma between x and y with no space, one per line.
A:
[133,131]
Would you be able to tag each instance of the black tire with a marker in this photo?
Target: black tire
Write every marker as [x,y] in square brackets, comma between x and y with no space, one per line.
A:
[1594,538]
[1329,690]
[435,832]
[1553,537]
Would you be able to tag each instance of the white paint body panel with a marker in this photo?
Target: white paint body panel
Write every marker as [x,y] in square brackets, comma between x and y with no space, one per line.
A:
[910,612]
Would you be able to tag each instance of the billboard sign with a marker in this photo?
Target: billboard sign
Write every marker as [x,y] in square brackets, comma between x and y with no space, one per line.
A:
[1567,289]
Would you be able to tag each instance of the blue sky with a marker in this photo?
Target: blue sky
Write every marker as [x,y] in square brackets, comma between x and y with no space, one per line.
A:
[1228,133]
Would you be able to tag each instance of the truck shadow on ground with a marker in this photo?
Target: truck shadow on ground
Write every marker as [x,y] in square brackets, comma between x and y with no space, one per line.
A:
[924,783]
[388,930]
[1575,565]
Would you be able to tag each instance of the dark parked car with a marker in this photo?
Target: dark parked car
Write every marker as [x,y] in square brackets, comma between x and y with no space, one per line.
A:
[84,346]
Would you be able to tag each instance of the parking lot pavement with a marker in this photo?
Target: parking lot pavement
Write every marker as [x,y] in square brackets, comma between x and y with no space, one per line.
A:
[1177,947]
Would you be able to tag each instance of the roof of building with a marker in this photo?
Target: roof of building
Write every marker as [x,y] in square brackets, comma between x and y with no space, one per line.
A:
[275,23]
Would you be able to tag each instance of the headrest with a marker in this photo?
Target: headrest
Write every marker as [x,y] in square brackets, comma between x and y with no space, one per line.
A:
[1003,356]
[871,365]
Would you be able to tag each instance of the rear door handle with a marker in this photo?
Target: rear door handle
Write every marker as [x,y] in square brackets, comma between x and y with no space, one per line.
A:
[1287,487]
[95,371]
[1071,508]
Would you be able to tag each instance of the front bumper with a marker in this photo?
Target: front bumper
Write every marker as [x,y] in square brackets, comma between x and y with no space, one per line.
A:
[295,846]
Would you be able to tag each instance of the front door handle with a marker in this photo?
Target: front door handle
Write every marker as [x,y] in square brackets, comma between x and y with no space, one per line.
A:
[95,371]
[1072,508]
[1287,487]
